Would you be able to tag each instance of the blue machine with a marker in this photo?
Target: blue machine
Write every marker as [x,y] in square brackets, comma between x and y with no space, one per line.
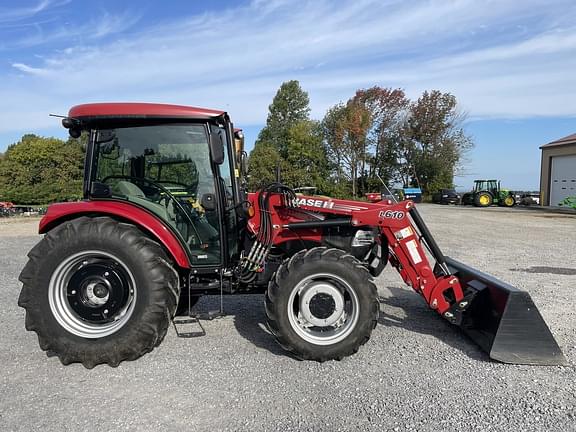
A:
[414,194]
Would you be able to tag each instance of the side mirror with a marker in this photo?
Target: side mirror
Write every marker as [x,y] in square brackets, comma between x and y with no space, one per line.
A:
[73,126]
[217,147]
[75,132]
[243,162]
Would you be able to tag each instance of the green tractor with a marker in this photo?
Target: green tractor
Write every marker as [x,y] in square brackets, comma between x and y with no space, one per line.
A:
[487,193]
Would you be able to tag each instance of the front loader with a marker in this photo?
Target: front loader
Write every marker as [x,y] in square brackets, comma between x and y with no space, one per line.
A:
[166,219]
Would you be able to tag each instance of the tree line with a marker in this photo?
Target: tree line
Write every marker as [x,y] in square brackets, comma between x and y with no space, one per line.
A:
[38,170]
[379,133]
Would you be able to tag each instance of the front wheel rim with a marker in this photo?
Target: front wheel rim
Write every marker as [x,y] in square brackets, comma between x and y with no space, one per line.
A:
[92,294]
[323,309]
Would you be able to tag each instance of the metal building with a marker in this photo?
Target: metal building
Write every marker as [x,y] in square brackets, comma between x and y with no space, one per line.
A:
[558,170]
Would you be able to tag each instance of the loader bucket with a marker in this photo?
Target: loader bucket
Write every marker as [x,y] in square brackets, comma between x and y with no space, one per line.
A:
[504,321]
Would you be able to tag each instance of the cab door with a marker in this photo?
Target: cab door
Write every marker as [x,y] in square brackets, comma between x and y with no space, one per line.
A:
[225,179]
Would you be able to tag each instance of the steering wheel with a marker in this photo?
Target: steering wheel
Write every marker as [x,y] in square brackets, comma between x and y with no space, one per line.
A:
[167,198]
[182,185]
[158,198]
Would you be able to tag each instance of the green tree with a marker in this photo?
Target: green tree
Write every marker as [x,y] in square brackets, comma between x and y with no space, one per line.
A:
[264,159]
[434,141]
[306,157]
[288,108]
[388,113]
[39,170]
[333,132]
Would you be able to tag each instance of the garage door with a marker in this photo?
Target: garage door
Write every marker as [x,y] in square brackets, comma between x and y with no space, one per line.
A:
[562,178]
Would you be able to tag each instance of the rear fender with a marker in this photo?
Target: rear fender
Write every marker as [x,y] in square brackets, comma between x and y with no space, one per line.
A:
[62,212]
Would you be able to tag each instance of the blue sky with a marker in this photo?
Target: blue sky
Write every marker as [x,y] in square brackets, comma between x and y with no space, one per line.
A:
[511,64]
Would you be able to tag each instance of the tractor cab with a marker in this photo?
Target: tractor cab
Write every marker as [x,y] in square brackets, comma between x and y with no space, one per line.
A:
[178,163]
[492,186]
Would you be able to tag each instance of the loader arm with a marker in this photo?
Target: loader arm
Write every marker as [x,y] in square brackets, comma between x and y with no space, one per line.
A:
[306,218]
[501,319]
[405,232]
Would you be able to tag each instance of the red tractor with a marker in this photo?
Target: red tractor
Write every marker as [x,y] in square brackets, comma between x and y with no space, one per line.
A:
[166,219]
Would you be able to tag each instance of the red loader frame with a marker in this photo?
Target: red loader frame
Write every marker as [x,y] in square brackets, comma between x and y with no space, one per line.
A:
[393,222]
[502,319]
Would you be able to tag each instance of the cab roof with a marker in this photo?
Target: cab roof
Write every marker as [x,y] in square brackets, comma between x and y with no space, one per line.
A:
[140,110]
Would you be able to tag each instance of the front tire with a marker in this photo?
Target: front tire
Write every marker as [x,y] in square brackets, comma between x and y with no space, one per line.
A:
[509,201]
[96,290]
[322,304]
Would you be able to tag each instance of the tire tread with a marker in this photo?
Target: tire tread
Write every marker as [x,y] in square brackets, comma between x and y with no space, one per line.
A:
[155,319]
[278,287]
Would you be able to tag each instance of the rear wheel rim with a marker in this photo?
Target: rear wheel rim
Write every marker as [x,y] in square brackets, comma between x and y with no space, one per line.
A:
[92,294]
[323,309]
[484,200]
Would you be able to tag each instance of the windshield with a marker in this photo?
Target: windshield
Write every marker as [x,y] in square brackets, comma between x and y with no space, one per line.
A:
[165,169]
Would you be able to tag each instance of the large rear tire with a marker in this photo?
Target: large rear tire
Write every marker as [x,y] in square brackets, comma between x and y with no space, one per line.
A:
[98,291]
[467,199]
[322,304]
[483,199]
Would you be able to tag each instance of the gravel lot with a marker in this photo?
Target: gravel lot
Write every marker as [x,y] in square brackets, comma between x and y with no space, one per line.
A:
[416,373]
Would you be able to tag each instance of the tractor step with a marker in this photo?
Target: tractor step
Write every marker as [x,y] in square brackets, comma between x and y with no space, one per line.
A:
[181,323]
[184,327]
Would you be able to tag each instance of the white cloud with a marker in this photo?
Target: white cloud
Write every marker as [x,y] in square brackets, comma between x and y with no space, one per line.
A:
[37,35]
[29,70]
[14,14]
[236,59]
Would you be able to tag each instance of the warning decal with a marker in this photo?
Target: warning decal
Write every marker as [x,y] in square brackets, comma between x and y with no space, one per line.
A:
[413,250]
